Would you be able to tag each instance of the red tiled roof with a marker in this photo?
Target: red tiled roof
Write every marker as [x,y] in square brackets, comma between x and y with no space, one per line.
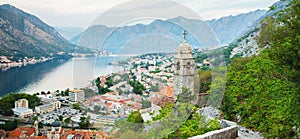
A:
[38,137]
[12,138]
[17,132]
[108,104]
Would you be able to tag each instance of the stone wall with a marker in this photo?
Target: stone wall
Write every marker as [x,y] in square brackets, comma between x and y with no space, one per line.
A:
[230,132]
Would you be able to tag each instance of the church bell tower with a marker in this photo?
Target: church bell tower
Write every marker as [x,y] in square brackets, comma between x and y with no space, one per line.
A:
[184,68]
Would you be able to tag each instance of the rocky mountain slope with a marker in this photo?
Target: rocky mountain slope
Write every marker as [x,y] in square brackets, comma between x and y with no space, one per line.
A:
[247,44]
[164,36]
[230,28]
[25,35]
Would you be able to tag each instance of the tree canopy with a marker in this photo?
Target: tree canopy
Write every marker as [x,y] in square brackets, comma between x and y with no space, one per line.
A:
[262,92]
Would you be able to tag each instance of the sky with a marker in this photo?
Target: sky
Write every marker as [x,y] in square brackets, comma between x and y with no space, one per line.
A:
[82,13]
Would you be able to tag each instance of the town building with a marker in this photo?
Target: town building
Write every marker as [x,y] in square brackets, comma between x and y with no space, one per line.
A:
[55,132]
[21,108]
[21,103]
[48,107]
[184,68]
[22,112]
[76,95]
[107,120]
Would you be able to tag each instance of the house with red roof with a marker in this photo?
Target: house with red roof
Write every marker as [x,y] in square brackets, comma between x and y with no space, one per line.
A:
[21,132]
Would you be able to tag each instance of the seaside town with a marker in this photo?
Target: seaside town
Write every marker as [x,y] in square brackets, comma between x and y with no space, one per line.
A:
[145,85]
[169,69]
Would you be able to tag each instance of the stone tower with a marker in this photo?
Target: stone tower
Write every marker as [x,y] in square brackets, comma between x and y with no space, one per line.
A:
[184,68]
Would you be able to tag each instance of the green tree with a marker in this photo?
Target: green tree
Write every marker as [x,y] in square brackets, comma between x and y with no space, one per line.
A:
[11,125]
[109,81]
[60,118]
[138,88]
[84,122]
[67,120]
[67,92]
[97,81]
[135,117]
[40,125]
[103,90]
[262,98]
[265,92]
[76,106]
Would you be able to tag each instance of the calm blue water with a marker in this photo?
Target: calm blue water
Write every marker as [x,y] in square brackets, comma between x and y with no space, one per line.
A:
[56,74]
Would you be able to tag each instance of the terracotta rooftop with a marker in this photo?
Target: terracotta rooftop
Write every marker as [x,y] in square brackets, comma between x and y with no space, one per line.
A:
[38,137]
[17,132]
[168,91]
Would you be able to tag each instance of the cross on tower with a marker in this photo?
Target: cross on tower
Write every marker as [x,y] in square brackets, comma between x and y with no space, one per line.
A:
[185,33]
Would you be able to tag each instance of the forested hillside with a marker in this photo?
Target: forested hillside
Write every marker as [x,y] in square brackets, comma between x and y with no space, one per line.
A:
[262,91]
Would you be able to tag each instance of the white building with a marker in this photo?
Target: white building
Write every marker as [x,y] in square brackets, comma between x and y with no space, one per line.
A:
[22,112]
[21,108]
[107,120]
[48,107]
[21,103]
[76,95]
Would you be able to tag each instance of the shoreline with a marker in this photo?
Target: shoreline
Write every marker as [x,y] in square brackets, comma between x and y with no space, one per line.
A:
[4,66]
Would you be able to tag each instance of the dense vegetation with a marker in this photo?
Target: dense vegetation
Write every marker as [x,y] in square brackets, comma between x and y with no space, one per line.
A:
[11,125]
[84,122]
[138,88]
[8,102]
[262,91]
[101,89]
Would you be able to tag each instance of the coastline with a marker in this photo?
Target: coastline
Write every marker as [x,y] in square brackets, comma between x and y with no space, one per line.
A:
[6,65]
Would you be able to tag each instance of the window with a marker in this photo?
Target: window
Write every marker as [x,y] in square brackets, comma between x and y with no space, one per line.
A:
[188,65]
[178,66]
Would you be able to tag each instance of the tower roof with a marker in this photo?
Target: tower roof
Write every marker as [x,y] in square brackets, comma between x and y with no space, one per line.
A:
[184,48]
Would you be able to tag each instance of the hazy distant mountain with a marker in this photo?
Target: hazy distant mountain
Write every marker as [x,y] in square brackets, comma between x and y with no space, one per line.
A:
[69,32]
[23,34]
[132,39]
[230,28]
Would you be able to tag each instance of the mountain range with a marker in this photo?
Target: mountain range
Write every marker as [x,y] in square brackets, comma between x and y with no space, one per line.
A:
[166,35]
[25,35]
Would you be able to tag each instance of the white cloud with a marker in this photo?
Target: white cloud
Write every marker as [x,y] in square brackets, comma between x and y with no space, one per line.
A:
[83,12]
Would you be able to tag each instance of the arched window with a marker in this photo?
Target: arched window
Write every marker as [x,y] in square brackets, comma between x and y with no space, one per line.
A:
[178,66]
[188,65]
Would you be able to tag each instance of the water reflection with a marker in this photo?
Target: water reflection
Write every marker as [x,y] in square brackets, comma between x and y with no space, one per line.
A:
[56,75]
